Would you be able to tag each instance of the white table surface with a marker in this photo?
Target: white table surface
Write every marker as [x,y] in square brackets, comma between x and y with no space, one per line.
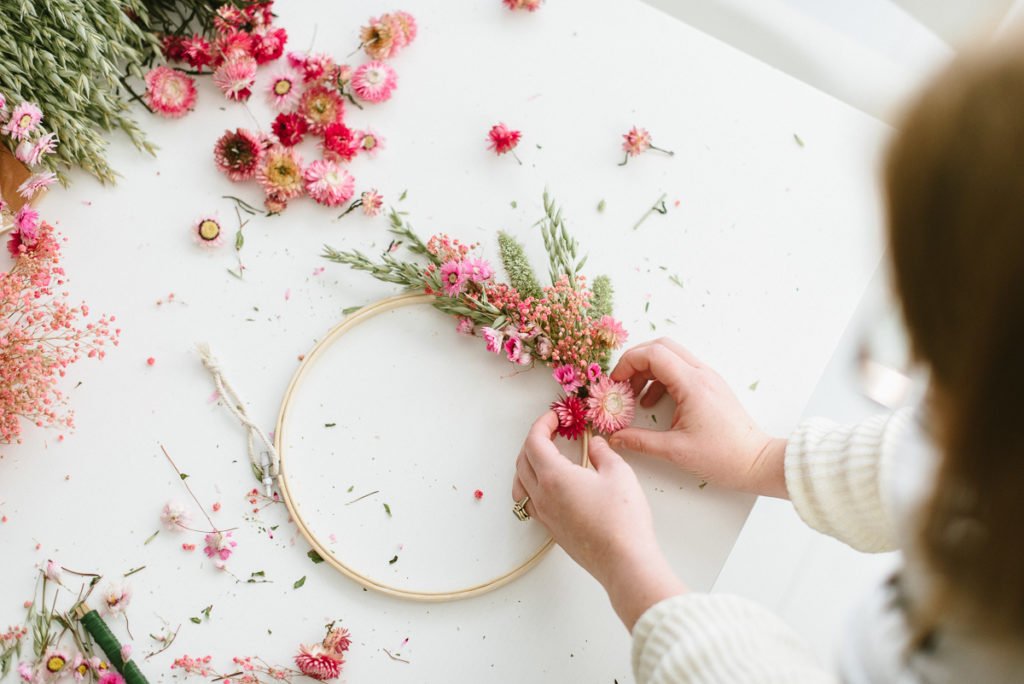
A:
[774,243]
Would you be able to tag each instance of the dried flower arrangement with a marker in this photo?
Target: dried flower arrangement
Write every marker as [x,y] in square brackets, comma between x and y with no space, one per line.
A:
[566,325]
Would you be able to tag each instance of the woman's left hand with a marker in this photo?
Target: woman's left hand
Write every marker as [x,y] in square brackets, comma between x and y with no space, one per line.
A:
[599,516]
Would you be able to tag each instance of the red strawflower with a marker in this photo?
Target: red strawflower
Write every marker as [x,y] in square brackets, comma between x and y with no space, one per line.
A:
[318,663]
[238,153]
[290,128]
[572,416]
[268,44]
[232,44]
[503,139]
[197,51]
[340,142]
[173,47]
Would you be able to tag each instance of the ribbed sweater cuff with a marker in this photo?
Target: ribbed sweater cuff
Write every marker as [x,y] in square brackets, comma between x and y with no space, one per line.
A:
[704,638]
[836,476]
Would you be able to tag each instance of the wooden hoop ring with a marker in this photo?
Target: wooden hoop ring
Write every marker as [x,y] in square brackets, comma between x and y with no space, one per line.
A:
[337,331]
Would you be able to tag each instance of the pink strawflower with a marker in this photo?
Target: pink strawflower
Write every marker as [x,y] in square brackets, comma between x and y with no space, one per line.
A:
[169,92]
[26,672]
[464,326]
[111,677]
[54,661]
[175,516]
[289,128]
[528,5]
[374,82]
[236,77]
[328,184]
[338,640]
[452,278]
[493,338]
[313,67]
[516,351]
[80,668]
[197,51]
[371,201]
[610,332]
[542,345]
[593,372]
[369,142]
[280,173]
[503,139]
[207,232]
[275,202]
[572,416]
[283,91]
[378,38]
[233,45]
[25,120]
[477,270]
[322,107]
[30,153]
[268,43]
[567,377]
[610,405]
[26,222]
[238,154]
[3,107]
[219,545]
[116,598]
[318,663]
[637,141]
[36,183]
[340,142]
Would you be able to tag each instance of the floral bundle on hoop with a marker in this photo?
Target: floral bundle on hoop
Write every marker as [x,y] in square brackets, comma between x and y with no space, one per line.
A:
[566,325]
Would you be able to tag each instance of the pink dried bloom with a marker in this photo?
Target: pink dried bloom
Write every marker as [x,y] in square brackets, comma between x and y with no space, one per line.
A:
[493,339]
[318,663]
[610,405]
[280,173]
[464,326]
[567,377]
[238,154]
[313,67]
[268,43]
[219,545]
[338,640]
[528,5]
[54,661]
[637,141]
[290,128]
[169,92]
[283,91]
[452,278]
[516,351]
[193,666]
[236,77]
[207,232]
[197,51]
[593,372]
[572,416]
[374,82]
[328,184]
[175,516]
[372,202]
[378,38]
[116,598]
[503,139]
[340,142]
[36,183]
[25,120]
[369,142]
[477,270]
[610,332]
[111,677]
[322,107]
[30,153]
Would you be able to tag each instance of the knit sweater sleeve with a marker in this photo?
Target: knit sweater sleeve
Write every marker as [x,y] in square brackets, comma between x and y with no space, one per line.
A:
[717,638]
[837,478]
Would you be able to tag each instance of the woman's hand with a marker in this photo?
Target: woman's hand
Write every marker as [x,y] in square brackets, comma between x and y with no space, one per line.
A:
[711,434]
[599,516]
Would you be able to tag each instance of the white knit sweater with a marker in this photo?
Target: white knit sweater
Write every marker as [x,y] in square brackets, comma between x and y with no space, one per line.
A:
[863,485]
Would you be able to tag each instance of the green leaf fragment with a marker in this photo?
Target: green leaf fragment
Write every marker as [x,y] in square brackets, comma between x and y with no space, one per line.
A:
[393,560]
[601,206]
[315,556]
[798,139]
[387,509]
[299,582]
[350,310]
[150,538]
[753,385]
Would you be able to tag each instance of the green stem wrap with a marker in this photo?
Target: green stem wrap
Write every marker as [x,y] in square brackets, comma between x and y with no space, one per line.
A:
[99,631]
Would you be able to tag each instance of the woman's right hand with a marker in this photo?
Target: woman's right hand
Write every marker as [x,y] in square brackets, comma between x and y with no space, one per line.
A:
[711,434]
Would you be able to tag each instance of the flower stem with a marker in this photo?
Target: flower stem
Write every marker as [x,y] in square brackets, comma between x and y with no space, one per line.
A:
[625,160]
[668,152]
[658,206]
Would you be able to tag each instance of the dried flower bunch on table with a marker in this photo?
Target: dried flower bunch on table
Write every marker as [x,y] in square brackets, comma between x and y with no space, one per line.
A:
[566,325]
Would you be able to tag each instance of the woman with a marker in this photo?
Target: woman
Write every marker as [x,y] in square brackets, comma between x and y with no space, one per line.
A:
[944,483]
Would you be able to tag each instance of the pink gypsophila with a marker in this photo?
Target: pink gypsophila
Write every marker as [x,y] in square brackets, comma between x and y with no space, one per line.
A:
[236,76]
[328,184]
[169,92]
[611,405]
[374,82]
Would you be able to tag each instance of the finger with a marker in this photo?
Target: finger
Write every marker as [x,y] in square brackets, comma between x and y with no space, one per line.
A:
[680,351]
[525,472]
[674,373]
[655,391]
[602,456]
[650,442]
[541,452]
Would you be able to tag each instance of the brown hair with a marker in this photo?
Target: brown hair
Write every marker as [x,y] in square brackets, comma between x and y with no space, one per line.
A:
[955,192]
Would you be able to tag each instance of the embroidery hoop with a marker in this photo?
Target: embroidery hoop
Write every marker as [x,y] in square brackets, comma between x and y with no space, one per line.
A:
[349,322]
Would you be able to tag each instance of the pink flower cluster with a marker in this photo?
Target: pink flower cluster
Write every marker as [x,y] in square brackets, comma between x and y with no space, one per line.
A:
[41,333]
[528,5]
[310,96]
[384,36]
[244,38]
[24,126]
